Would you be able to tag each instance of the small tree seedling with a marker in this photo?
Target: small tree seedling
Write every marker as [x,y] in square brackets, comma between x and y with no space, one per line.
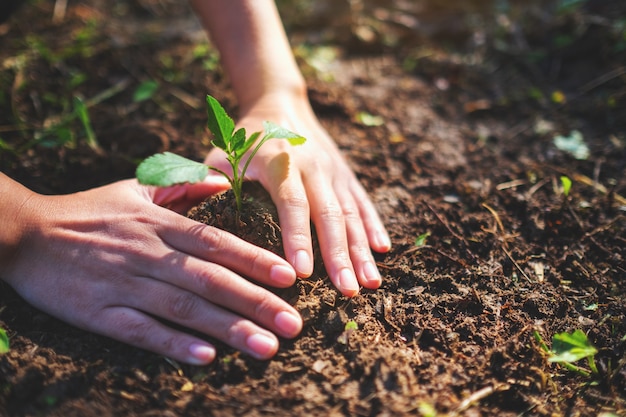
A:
[166,169]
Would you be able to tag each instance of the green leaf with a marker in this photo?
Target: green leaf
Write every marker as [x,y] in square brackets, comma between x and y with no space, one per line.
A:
[368,119]
[567,185]
[351,325]
[248,144]
[421,239]
[219,123]
[571,347]
[272,130]
[4,341]
[145,91]
[166,169]
[238,140]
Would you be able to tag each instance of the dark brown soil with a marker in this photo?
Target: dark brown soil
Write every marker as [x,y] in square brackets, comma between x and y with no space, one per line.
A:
[465,154]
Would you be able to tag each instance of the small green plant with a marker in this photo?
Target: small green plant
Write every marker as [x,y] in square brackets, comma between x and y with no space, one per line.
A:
[566,182]
[421,239]
[350,327]
[166,169]
[568,348]
[4,341]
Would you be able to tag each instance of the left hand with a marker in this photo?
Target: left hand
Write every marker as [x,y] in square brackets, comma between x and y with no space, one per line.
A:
[314,182]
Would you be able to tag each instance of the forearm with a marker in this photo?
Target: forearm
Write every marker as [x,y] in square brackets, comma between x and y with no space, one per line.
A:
[253,46]
[13,198]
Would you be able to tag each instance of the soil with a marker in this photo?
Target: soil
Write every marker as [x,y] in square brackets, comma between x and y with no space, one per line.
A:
[450,125]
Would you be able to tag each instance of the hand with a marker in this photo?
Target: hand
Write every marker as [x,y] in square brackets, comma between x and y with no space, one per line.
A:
[314,182]
[110,259]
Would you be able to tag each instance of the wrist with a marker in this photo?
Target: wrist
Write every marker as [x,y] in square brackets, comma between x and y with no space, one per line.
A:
[14,206]
[279,90]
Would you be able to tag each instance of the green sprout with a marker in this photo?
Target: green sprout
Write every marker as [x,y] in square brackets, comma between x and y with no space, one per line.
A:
[166,169]
[421,239]
[566,182]
[568,348]
[4,341]
[350,327]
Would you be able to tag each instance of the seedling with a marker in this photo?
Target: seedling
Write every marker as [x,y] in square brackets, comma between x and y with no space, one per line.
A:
[566,182]
[167,169]
[421,239]
[4,341]
[350,327]
[568,348]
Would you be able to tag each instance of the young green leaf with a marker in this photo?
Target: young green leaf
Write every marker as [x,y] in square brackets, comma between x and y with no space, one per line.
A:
[4,341]
[238,140]
[145,91]
[166,169]
[567,185]
[248,144]
[421,239]
[571,347]
[220,124]
[274,131]
[351,325]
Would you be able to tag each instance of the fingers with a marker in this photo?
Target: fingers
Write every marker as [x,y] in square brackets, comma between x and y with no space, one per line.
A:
[377,235]
[209,288]
[231,309]
[213,245]
[293,211]
[138,329]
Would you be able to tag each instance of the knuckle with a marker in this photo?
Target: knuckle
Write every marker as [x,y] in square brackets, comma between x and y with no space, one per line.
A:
[207,280]
[136,332]
[294,200]
[237,332]
[208,239]
[264,305]
[350,212]
[256,263]
[182,306]
[331,213]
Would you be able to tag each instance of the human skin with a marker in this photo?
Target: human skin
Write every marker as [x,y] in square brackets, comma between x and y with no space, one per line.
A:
[308,182]
[115,259]
[108,259]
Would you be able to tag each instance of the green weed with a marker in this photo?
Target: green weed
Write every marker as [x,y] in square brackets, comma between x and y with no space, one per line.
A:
[568,348]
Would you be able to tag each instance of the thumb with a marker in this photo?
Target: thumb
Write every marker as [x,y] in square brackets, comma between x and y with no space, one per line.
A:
[181,197]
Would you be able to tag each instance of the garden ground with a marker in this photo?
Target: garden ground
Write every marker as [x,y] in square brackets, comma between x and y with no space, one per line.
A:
[456,118]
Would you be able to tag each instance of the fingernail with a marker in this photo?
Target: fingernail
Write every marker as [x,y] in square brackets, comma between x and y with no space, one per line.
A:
[372,276]
[302,263]
[282,276]
[200,354]
[383,241]
[262,346]
[348,284]
[288,323]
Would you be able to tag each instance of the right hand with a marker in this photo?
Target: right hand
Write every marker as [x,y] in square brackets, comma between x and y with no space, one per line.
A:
[110,259]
